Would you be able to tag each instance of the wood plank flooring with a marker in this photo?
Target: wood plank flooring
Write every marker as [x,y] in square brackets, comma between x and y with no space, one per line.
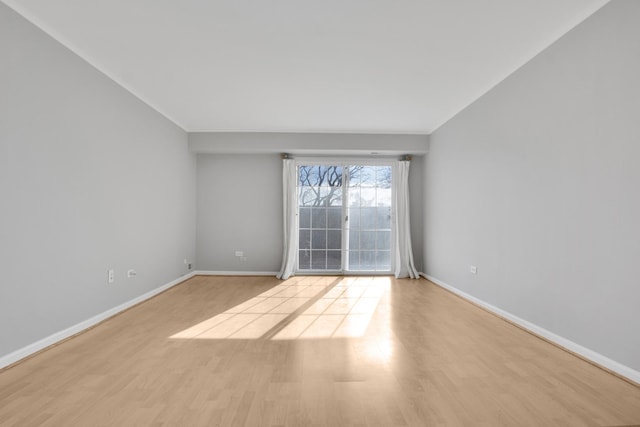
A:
[310,351]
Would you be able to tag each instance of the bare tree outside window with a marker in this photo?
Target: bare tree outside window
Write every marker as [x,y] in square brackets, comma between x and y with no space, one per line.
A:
[320,185]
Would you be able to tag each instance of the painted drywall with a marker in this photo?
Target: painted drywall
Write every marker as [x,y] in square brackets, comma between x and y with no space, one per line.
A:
[327,144]
[239,208]
[416,211]
[537,184]
[90,179]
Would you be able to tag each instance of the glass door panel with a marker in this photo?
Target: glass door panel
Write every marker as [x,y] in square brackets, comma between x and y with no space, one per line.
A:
[369,214]
[320,217]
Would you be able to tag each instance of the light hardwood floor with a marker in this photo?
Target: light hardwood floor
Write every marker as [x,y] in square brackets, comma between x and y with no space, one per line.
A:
[310,351]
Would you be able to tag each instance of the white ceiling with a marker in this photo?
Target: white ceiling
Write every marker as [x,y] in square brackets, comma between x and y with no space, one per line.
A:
[370,66]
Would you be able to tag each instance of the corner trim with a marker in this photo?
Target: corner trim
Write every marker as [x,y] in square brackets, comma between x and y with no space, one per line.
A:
[591,356]
[53,339]
[235,273]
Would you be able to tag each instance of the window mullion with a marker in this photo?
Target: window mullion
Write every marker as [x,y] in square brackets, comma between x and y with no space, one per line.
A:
[345,220]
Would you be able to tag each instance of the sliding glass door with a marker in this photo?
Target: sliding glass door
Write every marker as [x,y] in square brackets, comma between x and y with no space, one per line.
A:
[344,218]
[369,219]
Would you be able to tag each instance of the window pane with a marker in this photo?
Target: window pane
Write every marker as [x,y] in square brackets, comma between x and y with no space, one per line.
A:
[355,175]
[304,176]
[354,260]
[333,176]
[318,218]
[304,239]
[354,196]
[320,175]
[383,218]
[319,239]
[367,240]
[305,218]
[334,260]
[304,260]
[354,239]
[334,218]
[367,260]
[368,196]
[318,260]
[317,174]
[334,239]
[335,199]
[383,197]
[383,260]
[309,175]
[383,239]
[368,218]
[320,196]
[354,218]
[329,196]
[368,176]
[383,177]
[307,196]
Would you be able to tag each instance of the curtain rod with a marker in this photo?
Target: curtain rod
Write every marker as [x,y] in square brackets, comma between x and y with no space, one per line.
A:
[406,157]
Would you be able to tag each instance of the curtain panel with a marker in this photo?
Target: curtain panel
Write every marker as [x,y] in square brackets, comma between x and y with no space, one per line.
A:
[404,265]
[290,215]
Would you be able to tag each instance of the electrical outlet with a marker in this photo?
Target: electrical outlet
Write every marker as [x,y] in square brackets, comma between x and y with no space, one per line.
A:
[111,276]
[473,269]
[189,266]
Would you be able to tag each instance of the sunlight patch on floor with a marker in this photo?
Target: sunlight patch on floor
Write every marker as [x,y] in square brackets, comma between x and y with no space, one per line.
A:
[341,311]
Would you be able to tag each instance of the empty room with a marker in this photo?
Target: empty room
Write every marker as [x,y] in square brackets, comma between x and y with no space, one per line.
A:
[298,213]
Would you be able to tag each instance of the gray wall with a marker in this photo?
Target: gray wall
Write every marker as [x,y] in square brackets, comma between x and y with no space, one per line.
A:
[239,207]
[538,185]
[239,203]
[416,202]
[327,144]
[90,179]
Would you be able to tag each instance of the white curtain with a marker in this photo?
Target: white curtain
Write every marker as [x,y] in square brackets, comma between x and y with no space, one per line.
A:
[404,254]
[290,238]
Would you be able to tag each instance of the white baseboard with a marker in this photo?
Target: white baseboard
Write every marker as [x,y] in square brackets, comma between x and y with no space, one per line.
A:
[19,354]
[569,345]
[236,273]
